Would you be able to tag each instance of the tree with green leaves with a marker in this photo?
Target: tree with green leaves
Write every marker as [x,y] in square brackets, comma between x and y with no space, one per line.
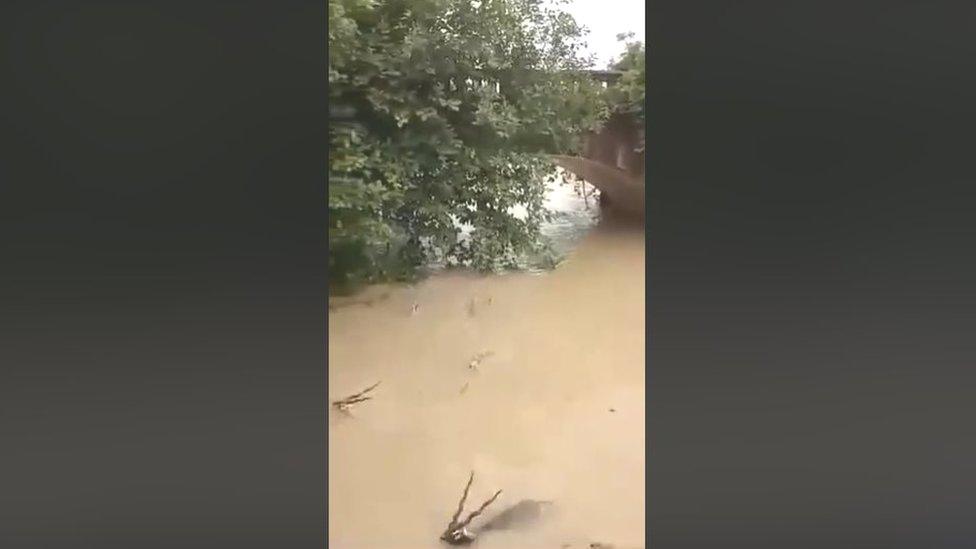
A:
[627,95]
[441,114]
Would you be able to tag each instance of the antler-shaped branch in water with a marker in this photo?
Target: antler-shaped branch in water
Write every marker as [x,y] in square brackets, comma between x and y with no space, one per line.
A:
[464,497]
[456,532]
[481,509]
[344,403]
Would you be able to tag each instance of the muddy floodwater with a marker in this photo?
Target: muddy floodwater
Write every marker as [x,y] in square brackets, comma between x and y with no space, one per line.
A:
[533,381]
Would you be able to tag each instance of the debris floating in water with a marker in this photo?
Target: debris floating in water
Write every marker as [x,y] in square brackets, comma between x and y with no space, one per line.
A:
[478,358]
[457,532]
[473,304]
[344,404]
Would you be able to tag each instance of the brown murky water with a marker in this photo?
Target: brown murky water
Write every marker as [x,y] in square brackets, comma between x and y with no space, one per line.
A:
[556,412]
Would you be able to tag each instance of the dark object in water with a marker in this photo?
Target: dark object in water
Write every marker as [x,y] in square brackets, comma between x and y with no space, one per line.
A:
[457,532]
[344,404]
[524,513]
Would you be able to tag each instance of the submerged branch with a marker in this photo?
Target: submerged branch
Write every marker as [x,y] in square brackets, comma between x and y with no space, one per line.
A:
[456,532]
[344,403]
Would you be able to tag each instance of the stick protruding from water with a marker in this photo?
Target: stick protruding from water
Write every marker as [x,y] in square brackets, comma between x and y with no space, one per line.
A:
[456,532]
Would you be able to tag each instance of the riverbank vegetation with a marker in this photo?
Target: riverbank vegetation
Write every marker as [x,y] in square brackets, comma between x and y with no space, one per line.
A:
[627,96]
[441,114]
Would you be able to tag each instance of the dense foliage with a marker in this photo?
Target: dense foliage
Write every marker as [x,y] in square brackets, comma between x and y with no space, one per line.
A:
[441,112]
[627,96]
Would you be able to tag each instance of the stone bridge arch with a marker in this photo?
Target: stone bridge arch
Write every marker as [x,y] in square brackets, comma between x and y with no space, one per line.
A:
[613,161]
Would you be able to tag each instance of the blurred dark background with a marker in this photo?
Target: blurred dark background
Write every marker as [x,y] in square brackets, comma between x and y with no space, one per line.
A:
[811,286]
[162,275]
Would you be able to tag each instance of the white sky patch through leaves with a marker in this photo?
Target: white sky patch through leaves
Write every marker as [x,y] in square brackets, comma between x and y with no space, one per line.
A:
[605,19]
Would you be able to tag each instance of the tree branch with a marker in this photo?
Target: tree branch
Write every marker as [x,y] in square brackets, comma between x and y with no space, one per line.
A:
[456,532]
[480,510]
[464,497]
[348,401]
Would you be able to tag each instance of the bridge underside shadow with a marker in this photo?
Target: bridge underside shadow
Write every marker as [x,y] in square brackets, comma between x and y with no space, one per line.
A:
[624,189]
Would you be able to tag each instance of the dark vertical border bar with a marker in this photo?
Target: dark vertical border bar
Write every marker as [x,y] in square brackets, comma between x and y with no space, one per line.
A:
[811,274]
[162,274]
